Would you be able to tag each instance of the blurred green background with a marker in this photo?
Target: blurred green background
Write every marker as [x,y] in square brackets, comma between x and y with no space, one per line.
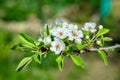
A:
[17,16]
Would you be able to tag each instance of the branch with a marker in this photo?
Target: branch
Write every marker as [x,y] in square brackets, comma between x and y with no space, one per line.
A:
[95,49]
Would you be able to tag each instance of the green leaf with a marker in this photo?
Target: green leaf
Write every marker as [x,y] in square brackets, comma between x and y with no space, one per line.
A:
[37,58]
[45,55]
[102,42]
[27,39]
[16,47]
[19,46]
[107,39]
[102,32]
[77,60]
[103,56]
[23,63]
[60,60]
[80,46]
[86,32]
[47,30]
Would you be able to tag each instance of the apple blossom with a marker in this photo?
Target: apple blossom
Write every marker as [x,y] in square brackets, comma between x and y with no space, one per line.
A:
[74,34]
[90,26]
[59,32]
[57,46]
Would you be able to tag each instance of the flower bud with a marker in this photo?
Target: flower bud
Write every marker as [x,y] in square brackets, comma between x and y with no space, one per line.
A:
[47,40]
[87,37]
[98,42]
[100,27]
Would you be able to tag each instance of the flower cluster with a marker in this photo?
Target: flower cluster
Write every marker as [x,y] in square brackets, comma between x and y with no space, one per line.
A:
[64,39]
[63,31]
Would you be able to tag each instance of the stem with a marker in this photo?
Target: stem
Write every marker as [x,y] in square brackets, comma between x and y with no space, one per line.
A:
[95,49]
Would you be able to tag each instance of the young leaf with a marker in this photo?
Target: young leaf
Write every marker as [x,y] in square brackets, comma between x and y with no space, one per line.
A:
[19,46]
[47,30]
[77,60]
[60,60]
[103,56]
[27,39]
[102,42]
[37,58]
[102,32]
[23,63]
[107,39]
[45,55]
[16,47]
[80,46]
[86,32]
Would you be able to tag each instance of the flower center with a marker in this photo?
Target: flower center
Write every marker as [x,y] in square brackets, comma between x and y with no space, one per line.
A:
[90,28]
[60,33]
[74,33]
[57,46]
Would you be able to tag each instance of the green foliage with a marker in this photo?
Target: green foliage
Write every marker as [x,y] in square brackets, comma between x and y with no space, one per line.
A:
[60,61]
[80,46]
[26,39]
[65,40]
[102,32]
[47,30]
[37,57]
[23,63]
[107,39]
[16,47]
[77,60]
[15,9]
[103,56]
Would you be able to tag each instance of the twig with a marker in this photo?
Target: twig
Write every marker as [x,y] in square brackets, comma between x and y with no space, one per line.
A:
[95,49]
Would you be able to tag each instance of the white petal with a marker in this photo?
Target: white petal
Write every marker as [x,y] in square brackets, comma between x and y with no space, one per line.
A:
[93,30]
[80,33]
[75,27]
[70,38]
[47,40]
[78,40]
[53,43]
[57,52]
[65,25]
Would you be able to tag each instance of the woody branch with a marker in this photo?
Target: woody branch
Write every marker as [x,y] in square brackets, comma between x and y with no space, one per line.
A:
[95,49]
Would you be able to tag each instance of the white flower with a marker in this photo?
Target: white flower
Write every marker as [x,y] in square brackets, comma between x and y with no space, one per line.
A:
[57,46]
[89,26]
[100,27]
[59,32]
[47,40]
[74,34]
